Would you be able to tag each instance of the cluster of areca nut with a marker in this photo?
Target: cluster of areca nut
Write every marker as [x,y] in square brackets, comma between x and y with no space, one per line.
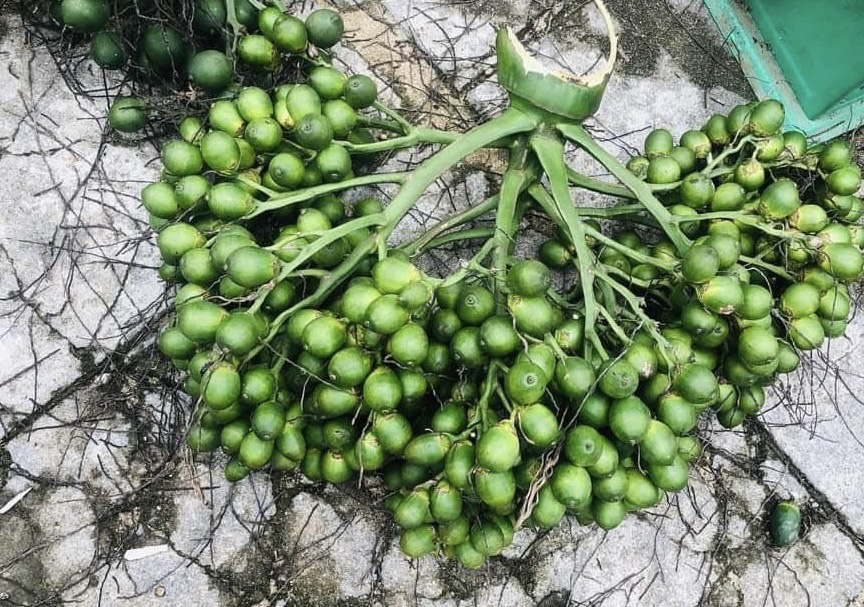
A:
[488,400]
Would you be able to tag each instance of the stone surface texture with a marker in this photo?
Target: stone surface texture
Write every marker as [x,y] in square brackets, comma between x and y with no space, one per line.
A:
[91,424]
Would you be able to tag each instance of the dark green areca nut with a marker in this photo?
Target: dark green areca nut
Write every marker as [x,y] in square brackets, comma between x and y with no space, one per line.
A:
[339,433]
[594,410]
[191,192]
[654,387]
[427,450]
[173,344]
[228,201]
[199,320]
[641,492]
[498,447]
[662,170]
[498,338]
[258,51]
[716,130]
[685,158]
[289,34]
[409,346]
[495,489]
[328,82]
[444,324]
[722,294]
[335,468]
[108,50]
[160,200]
[451,418]
[325,27]
[628,419]
[697,141]
[232,435]
[413,509]
[268,420]
[164,48]
[263,134]
[607,463]
[677,413]
[547,511]
[613,487]
[418,541]
[222,386]
[313,131]
[696,384]
[835,304]
[799,299]
[127,114]
[842,261]
[670,477]
[386,315]
[382,390]
[224,116]
[618,379]
[202,439]
[658,143]
[700,264]
[311,464]
[341,116]
[574,378]
[220,152]
[334,162]
[251,266]
[727,398]
[438,360]
[751,399]
[697,190]
[475,304]
[211,70]
[324,336]
[458,464]
[569,335]
[393,431]
[538,425]
[259,384]
[697,320]
[534,316]
[554,254]
[332,207]
[360,91]
[197,267]
[525,383]
[757,347]
[785,524]
[528,278]
[238,333]
[750,175]
[465,348]
[659,444]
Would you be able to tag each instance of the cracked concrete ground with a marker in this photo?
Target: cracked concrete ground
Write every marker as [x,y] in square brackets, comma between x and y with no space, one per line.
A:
[90,420]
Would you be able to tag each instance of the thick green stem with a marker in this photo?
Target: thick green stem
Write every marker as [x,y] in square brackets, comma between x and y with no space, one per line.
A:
[467,234]
[516,177]
[550,152]
[509,122]
[469,214]
[750,220]
[580,137]
[291,198]
[418,136]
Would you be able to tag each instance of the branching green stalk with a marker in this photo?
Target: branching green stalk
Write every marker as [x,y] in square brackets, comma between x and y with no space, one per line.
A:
[516,177]
[627,251]
[550,152]
[579,136]
[467,234]
[750,220]
[417,136]
[714,162]
[469,214]
[755,261]
[612,189]
[407,127]
[291,198]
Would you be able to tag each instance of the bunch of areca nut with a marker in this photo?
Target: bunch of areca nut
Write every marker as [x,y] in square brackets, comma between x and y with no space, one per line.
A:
[487,399]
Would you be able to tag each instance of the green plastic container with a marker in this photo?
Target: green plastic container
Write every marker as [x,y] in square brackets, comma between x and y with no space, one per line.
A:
[806,53]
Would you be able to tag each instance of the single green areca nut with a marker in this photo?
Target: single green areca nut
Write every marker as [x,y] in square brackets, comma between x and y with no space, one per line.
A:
[251,266]
[663,170]
[325,27]
[360,91]
[108,50]
[700,264]
[222,386]
[328,82]
[628,419]
[258,51]
[289,34]
[538,425]
[696,384]
[221,152]
[498,447]
[211,70]
[618,379]
[659,142]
